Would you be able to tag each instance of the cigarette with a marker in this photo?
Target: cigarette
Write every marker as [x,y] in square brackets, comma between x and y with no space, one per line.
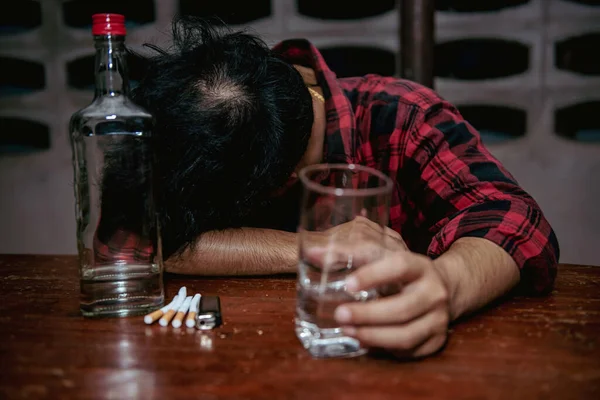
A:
[166,318]
[190,321]
[153,316]
[183,309]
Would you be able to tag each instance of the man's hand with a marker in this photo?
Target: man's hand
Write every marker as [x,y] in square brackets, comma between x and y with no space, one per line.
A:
[410,323]
[411,320]
[360,230]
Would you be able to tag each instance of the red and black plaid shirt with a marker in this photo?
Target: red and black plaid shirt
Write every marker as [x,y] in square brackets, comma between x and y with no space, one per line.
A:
[447,184]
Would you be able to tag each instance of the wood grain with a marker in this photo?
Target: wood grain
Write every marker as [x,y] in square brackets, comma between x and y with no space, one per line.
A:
[521,348]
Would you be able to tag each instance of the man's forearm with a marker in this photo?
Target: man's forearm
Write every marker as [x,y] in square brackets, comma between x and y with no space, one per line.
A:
[476,272]
[245,251]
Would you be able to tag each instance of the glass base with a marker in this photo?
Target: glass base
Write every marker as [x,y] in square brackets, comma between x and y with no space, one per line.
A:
[121,290]
[327,343]
[108,309]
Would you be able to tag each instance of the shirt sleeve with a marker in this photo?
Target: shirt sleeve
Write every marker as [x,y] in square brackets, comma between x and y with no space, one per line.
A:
[465,192]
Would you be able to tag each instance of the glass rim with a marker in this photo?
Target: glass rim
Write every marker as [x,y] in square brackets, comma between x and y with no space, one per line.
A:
[317,187]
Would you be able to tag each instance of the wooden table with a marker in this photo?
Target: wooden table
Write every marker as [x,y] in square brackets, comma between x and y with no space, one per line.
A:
[523,348]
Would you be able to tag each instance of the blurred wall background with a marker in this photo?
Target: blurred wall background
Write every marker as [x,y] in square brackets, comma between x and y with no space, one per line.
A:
[524,72]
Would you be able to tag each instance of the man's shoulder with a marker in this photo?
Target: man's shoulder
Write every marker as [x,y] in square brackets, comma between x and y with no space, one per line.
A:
[378,89]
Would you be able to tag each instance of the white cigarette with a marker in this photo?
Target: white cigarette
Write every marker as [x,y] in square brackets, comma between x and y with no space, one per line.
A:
[165,319]
[190,321]
[182,293]
[183,309]
[153,316]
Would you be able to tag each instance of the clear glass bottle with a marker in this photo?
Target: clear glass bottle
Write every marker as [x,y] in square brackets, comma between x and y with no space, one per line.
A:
[118,236]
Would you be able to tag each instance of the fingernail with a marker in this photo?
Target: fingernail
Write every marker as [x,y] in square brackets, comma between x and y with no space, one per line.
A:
[348,330]
[351,284]
[342,315]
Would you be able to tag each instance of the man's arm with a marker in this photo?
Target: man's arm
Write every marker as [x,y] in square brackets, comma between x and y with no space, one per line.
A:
[461,191]
[412,321]
[244,251]
[486,234]
[475,272]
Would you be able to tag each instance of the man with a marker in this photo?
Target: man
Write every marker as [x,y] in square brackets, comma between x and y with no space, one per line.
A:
[237,120]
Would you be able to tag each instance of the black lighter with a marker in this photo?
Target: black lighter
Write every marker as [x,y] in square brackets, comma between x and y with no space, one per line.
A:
[209,313]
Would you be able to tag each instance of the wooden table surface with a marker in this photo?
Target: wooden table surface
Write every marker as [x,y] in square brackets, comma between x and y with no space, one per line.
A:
[521,348]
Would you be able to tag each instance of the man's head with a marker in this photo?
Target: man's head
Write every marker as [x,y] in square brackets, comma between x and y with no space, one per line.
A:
[232,122]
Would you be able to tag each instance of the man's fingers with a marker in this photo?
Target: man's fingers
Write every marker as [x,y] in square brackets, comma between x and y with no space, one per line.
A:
[434,344]
[405,337]
[393,234]
[330,257]
[415,300]
[398,267]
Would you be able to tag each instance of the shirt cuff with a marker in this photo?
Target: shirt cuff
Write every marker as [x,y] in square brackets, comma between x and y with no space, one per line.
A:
[520,229]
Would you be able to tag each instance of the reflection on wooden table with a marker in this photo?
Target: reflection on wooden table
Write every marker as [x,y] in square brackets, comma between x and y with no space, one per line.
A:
[521,348]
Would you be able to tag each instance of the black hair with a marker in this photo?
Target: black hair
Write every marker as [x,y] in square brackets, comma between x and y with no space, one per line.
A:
[232,121]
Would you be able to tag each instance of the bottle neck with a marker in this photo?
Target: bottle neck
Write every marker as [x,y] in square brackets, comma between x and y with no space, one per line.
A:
[111,72]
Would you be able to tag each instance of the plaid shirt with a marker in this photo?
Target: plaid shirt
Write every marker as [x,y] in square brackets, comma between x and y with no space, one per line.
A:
[447,184]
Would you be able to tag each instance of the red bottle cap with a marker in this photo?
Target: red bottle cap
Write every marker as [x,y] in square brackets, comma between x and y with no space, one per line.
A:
[108,24]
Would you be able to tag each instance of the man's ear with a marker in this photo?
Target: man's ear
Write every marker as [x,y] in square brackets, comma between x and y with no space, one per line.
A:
[308,75]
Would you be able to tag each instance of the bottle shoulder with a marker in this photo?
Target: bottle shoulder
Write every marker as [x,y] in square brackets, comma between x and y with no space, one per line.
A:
[119,106]
[106,115]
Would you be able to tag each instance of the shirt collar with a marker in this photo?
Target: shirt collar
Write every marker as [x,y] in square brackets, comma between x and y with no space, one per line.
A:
[341,125]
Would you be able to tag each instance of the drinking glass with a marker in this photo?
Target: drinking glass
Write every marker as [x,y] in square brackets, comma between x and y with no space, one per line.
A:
[344,211]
